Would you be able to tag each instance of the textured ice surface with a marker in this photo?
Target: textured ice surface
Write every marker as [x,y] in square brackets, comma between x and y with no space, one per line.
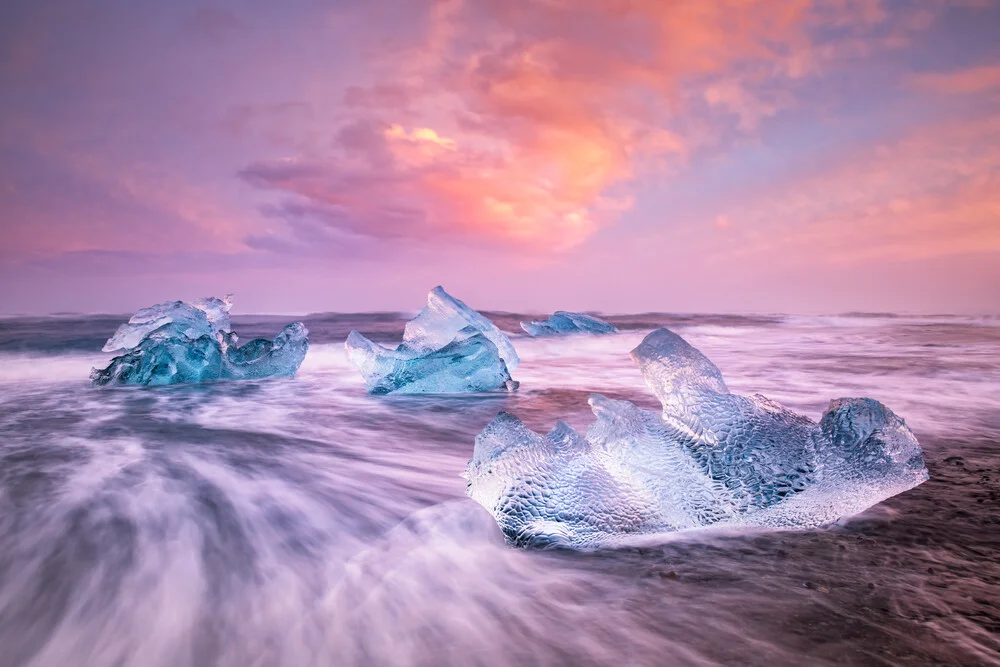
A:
[167,355]
[262,358]
[564,322]
[444,319]
[446,348]
[179,342]
[204,316]
[711,458]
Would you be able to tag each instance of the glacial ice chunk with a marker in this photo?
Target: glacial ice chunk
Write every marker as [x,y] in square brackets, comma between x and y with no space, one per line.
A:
[711,458]
[261,358]
[444,318]
[167,355]
[564,322]
[193,343]
[204,316]
[446,348]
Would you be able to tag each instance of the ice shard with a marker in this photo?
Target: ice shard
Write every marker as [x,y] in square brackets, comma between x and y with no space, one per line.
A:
[446,348]
[178,342]
[711,458]
[564,322]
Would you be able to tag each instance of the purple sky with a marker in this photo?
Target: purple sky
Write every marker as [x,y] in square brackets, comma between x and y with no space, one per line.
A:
[612,155]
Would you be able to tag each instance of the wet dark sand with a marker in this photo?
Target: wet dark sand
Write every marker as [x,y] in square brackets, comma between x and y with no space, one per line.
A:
[915,580]
[301,523]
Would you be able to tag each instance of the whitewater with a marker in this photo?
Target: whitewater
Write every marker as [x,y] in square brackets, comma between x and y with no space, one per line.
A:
[301,521]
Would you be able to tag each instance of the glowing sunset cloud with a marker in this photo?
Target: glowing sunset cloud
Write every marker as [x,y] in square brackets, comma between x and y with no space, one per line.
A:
[770,140]
[558,105]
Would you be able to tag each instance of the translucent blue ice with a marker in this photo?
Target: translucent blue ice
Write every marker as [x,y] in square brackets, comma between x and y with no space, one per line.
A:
[204,316]
[711,458]
[262,358]
[166,355]
[179,342]
[564,322]
[447,348]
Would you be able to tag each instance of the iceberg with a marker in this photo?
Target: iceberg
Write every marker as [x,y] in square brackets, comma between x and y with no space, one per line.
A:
[177,342]
[710,458]
[446,348]
[564,322]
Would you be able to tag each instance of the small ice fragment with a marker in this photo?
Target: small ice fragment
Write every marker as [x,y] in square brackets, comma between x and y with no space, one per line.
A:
[564,322]
[447,348]
[444,317]
[262,358]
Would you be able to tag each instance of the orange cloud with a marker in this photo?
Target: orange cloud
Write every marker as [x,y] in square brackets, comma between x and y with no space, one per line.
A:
[528,122]
[934,192]
[572,99]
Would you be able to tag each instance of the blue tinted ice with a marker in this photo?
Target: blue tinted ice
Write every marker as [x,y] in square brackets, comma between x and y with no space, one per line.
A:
[711,458]
[262,358]
[564,322]
[204,316]
[446,348]
[167,355]
[178,342]
[444,319]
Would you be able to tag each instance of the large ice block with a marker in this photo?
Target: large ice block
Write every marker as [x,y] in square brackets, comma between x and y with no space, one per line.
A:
[564,322]
[711,458]
[446,348]
[180,342]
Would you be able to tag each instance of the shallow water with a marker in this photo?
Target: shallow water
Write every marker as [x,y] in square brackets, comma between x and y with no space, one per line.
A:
[301,522]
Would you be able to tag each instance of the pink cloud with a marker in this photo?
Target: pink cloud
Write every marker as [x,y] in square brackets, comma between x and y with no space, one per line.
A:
[970,80]
[535,131]
[932,192]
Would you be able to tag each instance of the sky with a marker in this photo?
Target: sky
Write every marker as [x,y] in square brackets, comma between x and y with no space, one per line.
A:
[802,156]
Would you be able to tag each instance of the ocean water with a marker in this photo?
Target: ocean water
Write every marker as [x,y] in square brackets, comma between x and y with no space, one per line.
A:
[302,522]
